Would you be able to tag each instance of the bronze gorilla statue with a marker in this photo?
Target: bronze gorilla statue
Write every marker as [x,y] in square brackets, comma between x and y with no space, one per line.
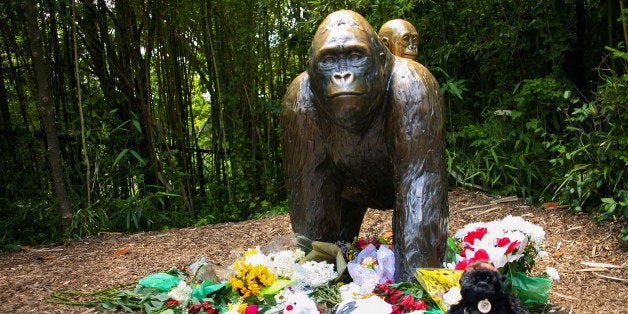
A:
[363,128]
[401,38]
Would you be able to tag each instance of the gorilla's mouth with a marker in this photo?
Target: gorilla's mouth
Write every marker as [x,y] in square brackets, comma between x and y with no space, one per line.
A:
[345,93]
[410,53]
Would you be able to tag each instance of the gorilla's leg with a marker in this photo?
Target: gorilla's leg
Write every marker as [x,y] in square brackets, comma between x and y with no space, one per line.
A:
[351,219]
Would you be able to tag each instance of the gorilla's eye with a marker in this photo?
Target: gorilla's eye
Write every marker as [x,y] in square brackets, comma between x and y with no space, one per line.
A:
[406,38]
[328,61]
[356,58]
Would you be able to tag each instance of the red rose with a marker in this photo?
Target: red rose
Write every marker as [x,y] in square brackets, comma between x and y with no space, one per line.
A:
[173,302]
[395,297]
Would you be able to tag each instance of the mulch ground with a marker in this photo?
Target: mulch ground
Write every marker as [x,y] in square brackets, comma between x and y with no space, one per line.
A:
[111,259]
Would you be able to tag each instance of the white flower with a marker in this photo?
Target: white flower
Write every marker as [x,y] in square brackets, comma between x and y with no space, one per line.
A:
[497,256]
[182,292]
[350,291]
[232,308]
[282,263]
[314,273]
[552,273]
[533,231]
[257,258]
[451,297]
[542,254]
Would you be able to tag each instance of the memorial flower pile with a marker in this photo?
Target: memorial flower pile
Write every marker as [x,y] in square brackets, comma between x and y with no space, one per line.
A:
[291,281]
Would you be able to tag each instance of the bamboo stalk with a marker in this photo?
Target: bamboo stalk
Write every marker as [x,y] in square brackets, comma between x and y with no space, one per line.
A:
[622,7]
[80,108]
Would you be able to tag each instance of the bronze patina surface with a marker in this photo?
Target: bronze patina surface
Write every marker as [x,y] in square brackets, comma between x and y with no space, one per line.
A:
[362,128]
[401,38]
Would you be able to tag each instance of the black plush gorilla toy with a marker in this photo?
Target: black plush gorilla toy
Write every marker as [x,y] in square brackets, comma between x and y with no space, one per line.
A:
[482,290]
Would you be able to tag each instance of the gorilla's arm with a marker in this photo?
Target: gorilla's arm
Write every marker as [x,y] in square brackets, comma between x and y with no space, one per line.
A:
[417,125]
[309,176]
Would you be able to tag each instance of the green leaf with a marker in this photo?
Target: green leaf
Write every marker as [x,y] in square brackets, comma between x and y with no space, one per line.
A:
[138,157]
[108,305]
[162,297]
[137,125]
[120,156]
[276,287]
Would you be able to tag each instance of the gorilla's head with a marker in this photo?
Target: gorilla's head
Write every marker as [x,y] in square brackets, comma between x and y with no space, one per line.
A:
[401,38]
[349,69]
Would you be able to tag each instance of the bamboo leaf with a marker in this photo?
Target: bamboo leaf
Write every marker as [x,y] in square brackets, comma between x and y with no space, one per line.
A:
[120,156]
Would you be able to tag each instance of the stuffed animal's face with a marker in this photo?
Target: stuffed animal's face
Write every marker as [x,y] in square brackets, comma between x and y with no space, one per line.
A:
[481,284]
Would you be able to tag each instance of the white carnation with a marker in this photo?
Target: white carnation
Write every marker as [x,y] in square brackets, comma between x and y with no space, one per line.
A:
[452,297]
[182,292]
[552,273]
[314,273]
[282,263]
[257,259]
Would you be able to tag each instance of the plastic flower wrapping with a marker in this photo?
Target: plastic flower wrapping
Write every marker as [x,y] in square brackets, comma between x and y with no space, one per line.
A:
[342,278]
[372,266]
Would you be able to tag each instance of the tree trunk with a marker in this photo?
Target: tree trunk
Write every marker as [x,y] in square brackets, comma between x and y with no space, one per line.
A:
[5,117]
[53,151]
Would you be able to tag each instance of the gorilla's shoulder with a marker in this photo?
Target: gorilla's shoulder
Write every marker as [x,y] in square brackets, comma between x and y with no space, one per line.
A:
[413,79]
[410,70]
[299,96]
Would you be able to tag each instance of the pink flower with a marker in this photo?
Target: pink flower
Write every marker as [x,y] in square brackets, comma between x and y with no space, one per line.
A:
[251,309]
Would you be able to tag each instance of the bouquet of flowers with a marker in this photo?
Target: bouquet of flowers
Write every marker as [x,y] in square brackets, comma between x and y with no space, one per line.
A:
[511,245]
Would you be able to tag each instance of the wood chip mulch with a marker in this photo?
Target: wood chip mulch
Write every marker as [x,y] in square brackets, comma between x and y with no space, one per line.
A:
[575,242]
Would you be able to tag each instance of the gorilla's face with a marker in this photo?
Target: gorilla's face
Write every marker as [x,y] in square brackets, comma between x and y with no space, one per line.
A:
[406,44]
[346,73]
[401,38]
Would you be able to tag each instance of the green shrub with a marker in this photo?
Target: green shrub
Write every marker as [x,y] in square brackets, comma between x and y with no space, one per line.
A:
[591,153]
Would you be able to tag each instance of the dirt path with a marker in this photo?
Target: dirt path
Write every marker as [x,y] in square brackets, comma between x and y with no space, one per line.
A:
[29,276]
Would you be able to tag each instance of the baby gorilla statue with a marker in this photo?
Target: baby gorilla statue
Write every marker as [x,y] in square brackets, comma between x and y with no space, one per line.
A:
[482,290]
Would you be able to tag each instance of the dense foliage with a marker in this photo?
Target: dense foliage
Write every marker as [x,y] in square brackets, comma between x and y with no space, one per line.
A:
[166,113]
